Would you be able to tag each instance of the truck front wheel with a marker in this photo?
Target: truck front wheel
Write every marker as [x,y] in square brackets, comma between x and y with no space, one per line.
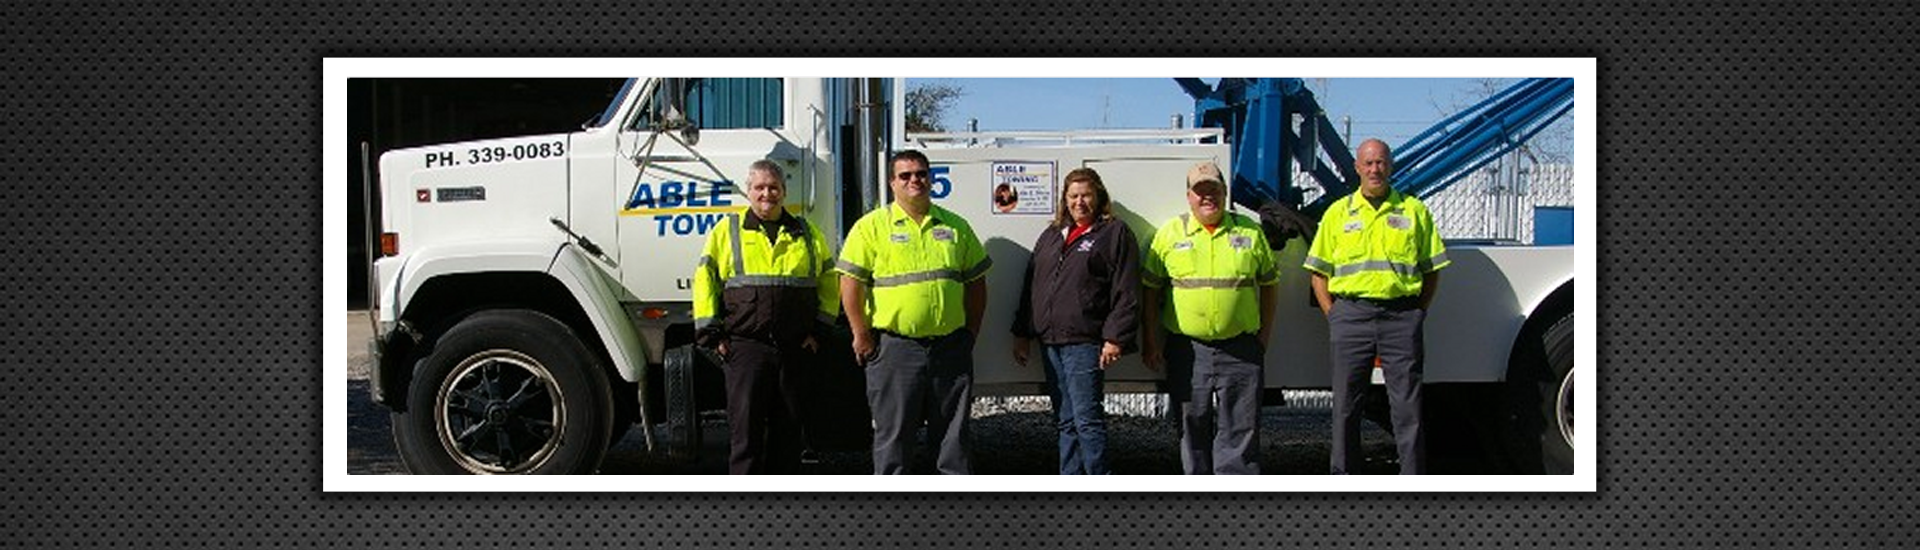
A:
[1557,445]
[1540,400]
[506,392]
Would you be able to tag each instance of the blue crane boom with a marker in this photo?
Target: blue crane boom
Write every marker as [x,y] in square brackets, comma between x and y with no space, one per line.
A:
[1256,114]
[1476,136]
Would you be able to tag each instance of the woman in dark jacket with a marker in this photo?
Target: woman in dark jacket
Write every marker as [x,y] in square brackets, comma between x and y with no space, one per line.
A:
[1081,298]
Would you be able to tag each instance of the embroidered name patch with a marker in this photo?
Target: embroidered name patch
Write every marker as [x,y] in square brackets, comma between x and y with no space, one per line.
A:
[1399,222]
[1353,226]
[900,238]
[1183,245]
[1240,242]
[943,234]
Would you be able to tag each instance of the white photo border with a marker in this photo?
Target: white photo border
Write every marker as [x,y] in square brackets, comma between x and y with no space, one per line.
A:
[336,163]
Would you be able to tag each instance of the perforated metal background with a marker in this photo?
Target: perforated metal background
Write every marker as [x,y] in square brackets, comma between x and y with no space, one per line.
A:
[162,316]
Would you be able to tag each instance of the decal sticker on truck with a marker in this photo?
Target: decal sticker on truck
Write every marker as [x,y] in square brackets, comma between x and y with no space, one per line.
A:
[681,208]
[1022,188]
[460,194]
[497,153]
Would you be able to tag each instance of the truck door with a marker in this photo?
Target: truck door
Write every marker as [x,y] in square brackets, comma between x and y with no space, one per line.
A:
[692,143]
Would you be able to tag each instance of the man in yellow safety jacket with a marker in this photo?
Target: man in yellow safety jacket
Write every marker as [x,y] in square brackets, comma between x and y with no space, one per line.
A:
[1213,283]
[1376,263]
[926,273]
[763,296]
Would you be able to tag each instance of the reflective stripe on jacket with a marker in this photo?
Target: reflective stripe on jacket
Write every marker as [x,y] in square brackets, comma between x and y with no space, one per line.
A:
[1376,253]
[1213,278]
[917,272]
[773,290]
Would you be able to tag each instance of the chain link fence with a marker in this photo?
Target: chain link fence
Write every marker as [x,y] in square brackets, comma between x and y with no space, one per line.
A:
[1497,202]
[1148,405]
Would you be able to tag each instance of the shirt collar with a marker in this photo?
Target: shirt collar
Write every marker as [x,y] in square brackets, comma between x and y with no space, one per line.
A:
[1358,202]
[1091,228]
[788,223]
[899,216]
[1192,223]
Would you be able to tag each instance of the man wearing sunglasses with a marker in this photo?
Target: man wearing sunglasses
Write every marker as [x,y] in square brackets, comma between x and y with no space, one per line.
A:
[914,289]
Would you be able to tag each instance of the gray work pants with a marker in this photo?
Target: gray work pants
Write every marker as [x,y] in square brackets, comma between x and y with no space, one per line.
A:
[1216,387]
[915,380]
[1359,331]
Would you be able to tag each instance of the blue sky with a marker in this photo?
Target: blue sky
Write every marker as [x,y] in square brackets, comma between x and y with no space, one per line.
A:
[1394,109]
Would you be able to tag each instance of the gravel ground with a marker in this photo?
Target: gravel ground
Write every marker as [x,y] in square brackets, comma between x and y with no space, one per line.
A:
[1293,441]
[1142,440]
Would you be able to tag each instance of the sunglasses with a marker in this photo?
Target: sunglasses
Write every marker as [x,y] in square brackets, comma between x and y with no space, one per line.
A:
[922,174]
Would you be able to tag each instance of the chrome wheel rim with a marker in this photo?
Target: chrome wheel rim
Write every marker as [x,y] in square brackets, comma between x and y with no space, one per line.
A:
[500,412]
[1564,408]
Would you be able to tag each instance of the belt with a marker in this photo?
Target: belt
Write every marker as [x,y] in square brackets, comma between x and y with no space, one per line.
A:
[1404,301]
[924,340]
[1223,341]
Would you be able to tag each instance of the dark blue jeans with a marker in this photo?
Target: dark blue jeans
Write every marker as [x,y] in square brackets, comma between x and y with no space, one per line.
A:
[1075,382]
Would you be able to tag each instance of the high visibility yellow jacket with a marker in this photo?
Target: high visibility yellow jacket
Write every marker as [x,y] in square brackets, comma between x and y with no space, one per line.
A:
[768,281]
[1214,277]
[917,272]
[1376,253]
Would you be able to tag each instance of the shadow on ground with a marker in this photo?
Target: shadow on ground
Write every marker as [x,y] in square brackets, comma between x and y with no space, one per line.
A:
[1293,441]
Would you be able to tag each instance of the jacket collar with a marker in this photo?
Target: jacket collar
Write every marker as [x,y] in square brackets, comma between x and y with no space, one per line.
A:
[899,216]
[1095,227]
[789,223]
[1358,203]
[1192,225]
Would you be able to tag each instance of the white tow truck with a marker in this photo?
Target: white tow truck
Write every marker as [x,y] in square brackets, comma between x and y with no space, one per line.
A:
[532,293]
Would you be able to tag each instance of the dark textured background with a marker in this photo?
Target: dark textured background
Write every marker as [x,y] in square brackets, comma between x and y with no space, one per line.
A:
[162,318]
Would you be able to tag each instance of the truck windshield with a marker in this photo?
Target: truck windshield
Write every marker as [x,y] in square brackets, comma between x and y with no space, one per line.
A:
[606,115]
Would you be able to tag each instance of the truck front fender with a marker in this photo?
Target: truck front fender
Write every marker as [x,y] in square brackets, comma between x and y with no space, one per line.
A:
[421,266]
[591,290]
[1485,301]
[594,289]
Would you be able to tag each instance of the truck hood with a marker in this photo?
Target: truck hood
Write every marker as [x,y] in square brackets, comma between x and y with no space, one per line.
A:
[477,190]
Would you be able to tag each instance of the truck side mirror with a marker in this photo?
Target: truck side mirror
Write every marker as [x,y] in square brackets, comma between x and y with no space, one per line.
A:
[673,115]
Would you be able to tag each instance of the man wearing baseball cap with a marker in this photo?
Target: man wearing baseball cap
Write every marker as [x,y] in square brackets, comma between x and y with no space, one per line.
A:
[1201,273]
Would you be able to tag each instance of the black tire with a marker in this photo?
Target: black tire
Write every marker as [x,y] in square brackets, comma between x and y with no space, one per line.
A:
[506,392]
[1540,400]
[683,412]
[1557,443]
